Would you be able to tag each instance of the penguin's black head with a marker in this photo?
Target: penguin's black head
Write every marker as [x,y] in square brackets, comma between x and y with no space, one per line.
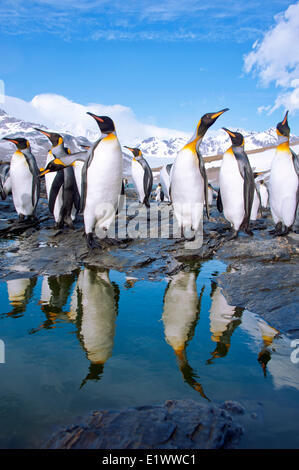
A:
[136,152]
[54,138]
[207,121]
[21,143]
[105,123]
[282,127]
[53,165]
[236,138]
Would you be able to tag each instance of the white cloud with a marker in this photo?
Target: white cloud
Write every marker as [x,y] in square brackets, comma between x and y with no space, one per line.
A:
[63,115]
[276,59]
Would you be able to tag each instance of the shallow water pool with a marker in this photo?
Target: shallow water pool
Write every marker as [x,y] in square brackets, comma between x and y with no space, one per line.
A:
[97,339]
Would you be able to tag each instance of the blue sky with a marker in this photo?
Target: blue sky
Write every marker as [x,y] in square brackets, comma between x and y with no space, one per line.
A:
[169,61]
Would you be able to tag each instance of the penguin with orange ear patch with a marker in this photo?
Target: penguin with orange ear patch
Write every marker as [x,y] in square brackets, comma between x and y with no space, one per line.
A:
[283,182]
[189,183]
[25,184]
[62,191]
[236,185]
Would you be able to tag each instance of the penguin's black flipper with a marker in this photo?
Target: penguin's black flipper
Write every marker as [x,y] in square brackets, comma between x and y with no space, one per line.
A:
[2,192]
[77,199]
[249,186]
[32,165]
[147,180]
[219,202]
[168,167]
[56,185]
[68,192]
[296,167]
[295,161]
[88,156]
[83,186]
[203,173]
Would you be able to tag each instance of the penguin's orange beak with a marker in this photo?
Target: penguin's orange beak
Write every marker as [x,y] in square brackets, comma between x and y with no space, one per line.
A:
[216,115]
[43,172]
[10,140]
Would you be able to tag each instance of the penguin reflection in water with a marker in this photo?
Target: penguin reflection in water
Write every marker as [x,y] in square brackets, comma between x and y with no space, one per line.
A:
[283,182]
[189,183]
[180,315]
[25,184]
[236,186]
[94,307]
[224,319]
[101,180]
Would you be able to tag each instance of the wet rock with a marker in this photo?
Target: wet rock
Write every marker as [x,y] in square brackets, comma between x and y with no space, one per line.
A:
[263,277]
[178,424]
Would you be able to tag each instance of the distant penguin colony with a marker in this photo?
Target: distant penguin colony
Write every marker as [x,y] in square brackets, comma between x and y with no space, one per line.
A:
[91,182]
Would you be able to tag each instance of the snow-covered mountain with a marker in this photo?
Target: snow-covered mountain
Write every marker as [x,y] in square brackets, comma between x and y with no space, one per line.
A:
[40,144]
[155,149]
[214,143]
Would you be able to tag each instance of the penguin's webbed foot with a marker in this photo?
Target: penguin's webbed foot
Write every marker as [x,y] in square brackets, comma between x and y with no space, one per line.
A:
[91,242]
[68,221]
[112,241]
[249,232]
[233,235]
[278,231]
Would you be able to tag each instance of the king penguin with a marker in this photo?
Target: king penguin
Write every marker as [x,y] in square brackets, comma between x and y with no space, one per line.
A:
[283,182]
[62,190]
[189,183]
[142,176]
[25,184]
[101,179]
[236,185]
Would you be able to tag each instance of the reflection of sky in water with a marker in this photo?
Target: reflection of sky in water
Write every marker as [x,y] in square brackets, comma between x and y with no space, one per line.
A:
[95,340]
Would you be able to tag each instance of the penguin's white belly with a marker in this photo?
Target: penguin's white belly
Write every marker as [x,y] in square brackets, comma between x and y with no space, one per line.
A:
[231,189]
[283,186]
[187,189]
[138,176]
[255,206]
[264,195]
[78,166]
[165,182]
[104,178]
[21,185]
